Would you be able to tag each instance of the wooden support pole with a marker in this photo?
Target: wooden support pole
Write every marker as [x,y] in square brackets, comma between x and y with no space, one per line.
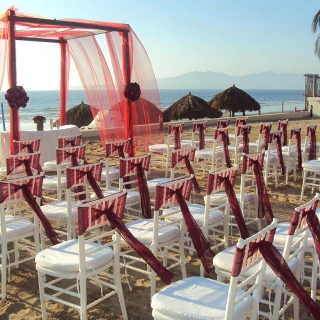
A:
[63,84]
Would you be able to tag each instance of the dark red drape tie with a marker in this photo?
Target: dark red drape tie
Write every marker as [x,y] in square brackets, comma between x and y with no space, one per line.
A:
[190,171]
[225,140]
[280,267]
[297,135]
[50,232]
[264,206]
[143,190]
[235,207]
[117,224]
[313,143]
[266,131]
[201,128]
[28,146]
[74,159]
[70,142]
[277,138]
[199,241]
[120,150]
[283,127]
[245,139]
[176,130]
[25,163]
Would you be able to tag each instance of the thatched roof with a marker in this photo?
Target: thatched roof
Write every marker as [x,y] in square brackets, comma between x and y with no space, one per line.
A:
[190,107]
[79,115]
[234,100]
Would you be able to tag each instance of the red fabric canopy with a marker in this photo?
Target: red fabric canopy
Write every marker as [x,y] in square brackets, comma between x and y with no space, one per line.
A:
[130,63]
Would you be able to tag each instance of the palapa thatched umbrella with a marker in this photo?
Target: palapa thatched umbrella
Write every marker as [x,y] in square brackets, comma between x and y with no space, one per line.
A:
[79,115]
[190,107]
[234,100]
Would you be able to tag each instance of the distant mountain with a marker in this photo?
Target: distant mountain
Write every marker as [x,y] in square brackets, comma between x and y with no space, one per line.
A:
[219,80]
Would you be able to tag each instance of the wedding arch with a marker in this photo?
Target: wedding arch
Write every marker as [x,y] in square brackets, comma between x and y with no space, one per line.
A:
[126,105]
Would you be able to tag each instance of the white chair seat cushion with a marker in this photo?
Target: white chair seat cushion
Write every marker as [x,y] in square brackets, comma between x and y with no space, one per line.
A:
[221,197]
[58,210]
[197,212]
[132,196]
[223,262]
[113,173]
[313,165]
[207,153]
[65,256]
[142,230]
[160,147]
[17,227]
[197,298]
[51,183]
[51,165]
[3,171]
[233,148]
[153,183]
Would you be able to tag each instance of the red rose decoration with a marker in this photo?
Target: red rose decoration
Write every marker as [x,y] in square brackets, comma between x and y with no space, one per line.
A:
[17,97]
[132,91]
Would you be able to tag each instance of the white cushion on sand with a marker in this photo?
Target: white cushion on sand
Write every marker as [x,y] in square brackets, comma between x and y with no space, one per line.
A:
[223,262]
[153,183]
[197,298]
[142,230]
[113,173]
[17,227]
[52,165]
[58,210]
[65,256]
[197,211]
[51,182]
[311,165]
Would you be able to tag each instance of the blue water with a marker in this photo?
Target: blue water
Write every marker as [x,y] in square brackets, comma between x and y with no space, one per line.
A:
[47,103]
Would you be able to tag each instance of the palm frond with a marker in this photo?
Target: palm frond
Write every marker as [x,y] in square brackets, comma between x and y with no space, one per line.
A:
[317,47]
[315,22]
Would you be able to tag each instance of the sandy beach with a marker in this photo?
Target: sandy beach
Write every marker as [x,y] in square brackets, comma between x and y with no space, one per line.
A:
[23,294]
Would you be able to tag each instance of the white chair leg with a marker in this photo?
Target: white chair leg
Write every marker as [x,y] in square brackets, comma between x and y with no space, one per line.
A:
[182,256]
[303,184]
[42,280]
[83,296]
[314,277]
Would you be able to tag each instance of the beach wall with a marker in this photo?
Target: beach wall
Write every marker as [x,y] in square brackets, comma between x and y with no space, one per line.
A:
[93,132]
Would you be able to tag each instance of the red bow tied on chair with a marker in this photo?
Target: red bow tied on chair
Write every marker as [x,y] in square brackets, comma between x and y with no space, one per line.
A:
[143,189]
[283,127]
[234,205]
[18,163]
[277,137]
[92,182]
[225,140]
[63,155]
[265,129]
[201,128]
[25,188]
[199,241]
[311,132]
[264,206]
[70,142]
[111,148]
[28,146]
[176,129]
[245,131]
[186,160]
[117,224]
[297,134]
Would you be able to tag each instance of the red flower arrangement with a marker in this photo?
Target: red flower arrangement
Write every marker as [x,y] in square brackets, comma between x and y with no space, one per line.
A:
[17,97]
[39,119]
[132,91]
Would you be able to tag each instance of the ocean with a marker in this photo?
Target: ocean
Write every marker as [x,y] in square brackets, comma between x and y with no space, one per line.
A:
[47,103]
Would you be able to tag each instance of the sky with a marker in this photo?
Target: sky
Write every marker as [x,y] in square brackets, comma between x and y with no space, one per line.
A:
[236,37]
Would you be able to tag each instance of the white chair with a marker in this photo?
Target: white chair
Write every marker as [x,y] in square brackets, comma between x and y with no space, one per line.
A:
[114,150]
[19,224]
[237,147]
[90,257]
[283,126]
[26,146]
[165,239]
[20,165]
[198,297]
[64,212]
[263,138]
[64,157]
[198,129]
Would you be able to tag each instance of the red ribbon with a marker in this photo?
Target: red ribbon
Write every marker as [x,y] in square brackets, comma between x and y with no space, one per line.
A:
[311,133]
[201,127]
[276,136]
[176,129]
[282,125]
[297,134]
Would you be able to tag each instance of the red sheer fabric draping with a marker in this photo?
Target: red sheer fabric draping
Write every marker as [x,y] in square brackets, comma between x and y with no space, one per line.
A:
[296,133]
[276,137]
[214,182]
[254,162]
[222,134]
[114,210]
[311,133]
[145,114]
[138,166]
[118,148]
[186,155]
[73,153]
[201,127]
[223,123]
[176,129]
[265,129]
[26,162]
[64,142]
[28,146]
[28,189]
[3,48]
[179,193]
[283,126]
[244,130]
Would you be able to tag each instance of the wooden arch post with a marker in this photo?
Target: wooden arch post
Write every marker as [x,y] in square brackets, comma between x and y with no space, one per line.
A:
[63,83]
[12,78]
[128,121]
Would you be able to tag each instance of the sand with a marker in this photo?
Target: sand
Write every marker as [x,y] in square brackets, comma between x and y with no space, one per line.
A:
[23,295]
